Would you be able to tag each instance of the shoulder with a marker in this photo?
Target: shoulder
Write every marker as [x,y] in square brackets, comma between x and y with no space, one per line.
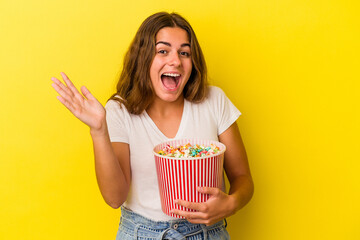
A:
[218,100]
[215,92]
[113,104]
[213,96]
[215,99]
[114,107]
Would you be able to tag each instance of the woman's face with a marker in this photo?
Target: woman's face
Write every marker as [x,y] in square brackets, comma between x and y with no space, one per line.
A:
[171,67]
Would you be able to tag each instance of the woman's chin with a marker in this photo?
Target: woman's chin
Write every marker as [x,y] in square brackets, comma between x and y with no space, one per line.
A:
[171,96]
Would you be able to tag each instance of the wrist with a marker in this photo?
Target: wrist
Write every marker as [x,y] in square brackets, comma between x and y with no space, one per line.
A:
[100,131]
[234,203]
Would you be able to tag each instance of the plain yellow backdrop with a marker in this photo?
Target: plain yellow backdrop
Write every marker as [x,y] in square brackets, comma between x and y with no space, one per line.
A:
[291,67]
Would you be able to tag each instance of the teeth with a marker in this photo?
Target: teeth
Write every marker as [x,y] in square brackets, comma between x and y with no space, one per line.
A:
[172,74]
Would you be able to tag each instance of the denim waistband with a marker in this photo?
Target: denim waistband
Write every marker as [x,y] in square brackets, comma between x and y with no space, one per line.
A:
[174,229]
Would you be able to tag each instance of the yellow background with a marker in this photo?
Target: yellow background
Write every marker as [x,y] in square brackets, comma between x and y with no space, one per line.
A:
[291,67]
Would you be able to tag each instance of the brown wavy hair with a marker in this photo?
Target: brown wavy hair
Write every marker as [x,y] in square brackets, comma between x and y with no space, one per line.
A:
[134,88]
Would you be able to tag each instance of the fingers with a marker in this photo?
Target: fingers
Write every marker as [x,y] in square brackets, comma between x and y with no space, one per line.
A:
[67,81]
[190,205]
[63,96]
[200,209]
[71,86]
[195,217]
[208,190]
[69,95]
[207,212]
[69,91]
[190,216]
[87,93]
[64,92]
[62,86]
[66,103]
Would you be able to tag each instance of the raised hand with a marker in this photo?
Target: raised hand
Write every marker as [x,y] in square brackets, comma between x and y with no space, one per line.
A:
[85,107]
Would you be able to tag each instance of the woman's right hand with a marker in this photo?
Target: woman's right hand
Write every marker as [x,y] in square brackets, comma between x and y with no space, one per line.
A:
[88,109]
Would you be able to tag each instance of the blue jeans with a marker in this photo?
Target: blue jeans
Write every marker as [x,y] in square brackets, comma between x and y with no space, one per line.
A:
[134,226]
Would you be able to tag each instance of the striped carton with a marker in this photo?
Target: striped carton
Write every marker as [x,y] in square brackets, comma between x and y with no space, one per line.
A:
[178,178]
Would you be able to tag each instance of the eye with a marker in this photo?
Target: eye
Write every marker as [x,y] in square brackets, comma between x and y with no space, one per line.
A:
[185,54]
[162,51]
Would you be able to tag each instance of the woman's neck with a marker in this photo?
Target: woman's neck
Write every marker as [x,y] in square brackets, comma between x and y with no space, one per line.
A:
[162,108]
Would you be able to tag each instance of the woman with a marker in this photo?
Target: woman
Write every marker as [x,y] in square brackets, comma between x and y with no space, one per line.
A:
[162,94]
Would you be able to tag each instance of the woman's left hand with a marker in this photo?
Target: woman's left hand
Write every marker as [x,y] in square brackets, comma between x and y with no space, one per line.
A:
[217,207]
[221,205]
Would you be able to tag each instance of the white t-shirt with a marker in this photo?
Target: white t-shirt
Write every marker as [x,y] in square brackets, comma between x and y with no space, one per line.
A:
[205,120]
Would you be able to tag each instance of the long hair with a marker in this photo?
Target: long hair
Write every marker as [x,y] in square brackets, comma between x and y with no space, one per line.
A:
[134,88]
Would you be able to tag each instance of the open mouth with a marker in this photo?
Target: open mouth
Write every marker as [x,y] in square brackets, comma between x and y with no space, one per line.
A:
[170,80]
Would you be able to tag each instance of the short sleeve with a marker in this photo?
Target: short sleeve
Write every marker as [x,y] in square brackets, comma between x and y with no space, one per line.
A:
[224,110]
[116,119]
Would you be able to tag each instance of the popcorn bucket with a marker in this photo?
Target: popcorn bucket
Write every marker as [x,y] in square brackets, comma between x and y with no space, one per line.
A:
[178,178]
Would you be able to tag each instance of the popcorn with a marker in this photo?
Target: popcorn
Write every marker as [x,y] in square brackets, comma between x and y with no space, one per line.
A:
[188,150]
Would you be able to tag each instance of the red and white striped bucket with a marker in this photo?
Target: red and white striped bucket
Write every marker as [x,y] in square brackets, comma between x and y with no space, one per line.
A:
[178,178]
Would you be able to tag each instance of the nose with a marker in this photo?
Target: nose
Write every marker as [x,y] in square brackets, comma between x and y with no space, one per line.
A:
[174,59]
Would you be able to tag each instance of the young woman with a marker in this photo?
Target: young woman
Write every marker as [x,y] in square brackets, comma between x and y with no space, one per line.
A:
[162,94]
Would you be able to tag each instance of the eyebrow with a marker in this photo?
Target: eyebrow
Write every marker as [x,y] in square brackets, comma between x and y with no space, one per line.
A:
[168,44]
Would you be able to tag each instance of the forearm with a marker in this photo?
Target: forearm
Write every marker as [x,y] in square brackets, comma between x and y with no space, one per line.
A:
[241,191]
[112,179]
[110,176]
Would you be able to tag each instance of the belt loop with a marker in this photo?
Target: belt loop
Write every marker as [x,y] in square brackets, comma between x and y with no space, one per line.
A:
[204,231]
[161,236]
[136,231]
